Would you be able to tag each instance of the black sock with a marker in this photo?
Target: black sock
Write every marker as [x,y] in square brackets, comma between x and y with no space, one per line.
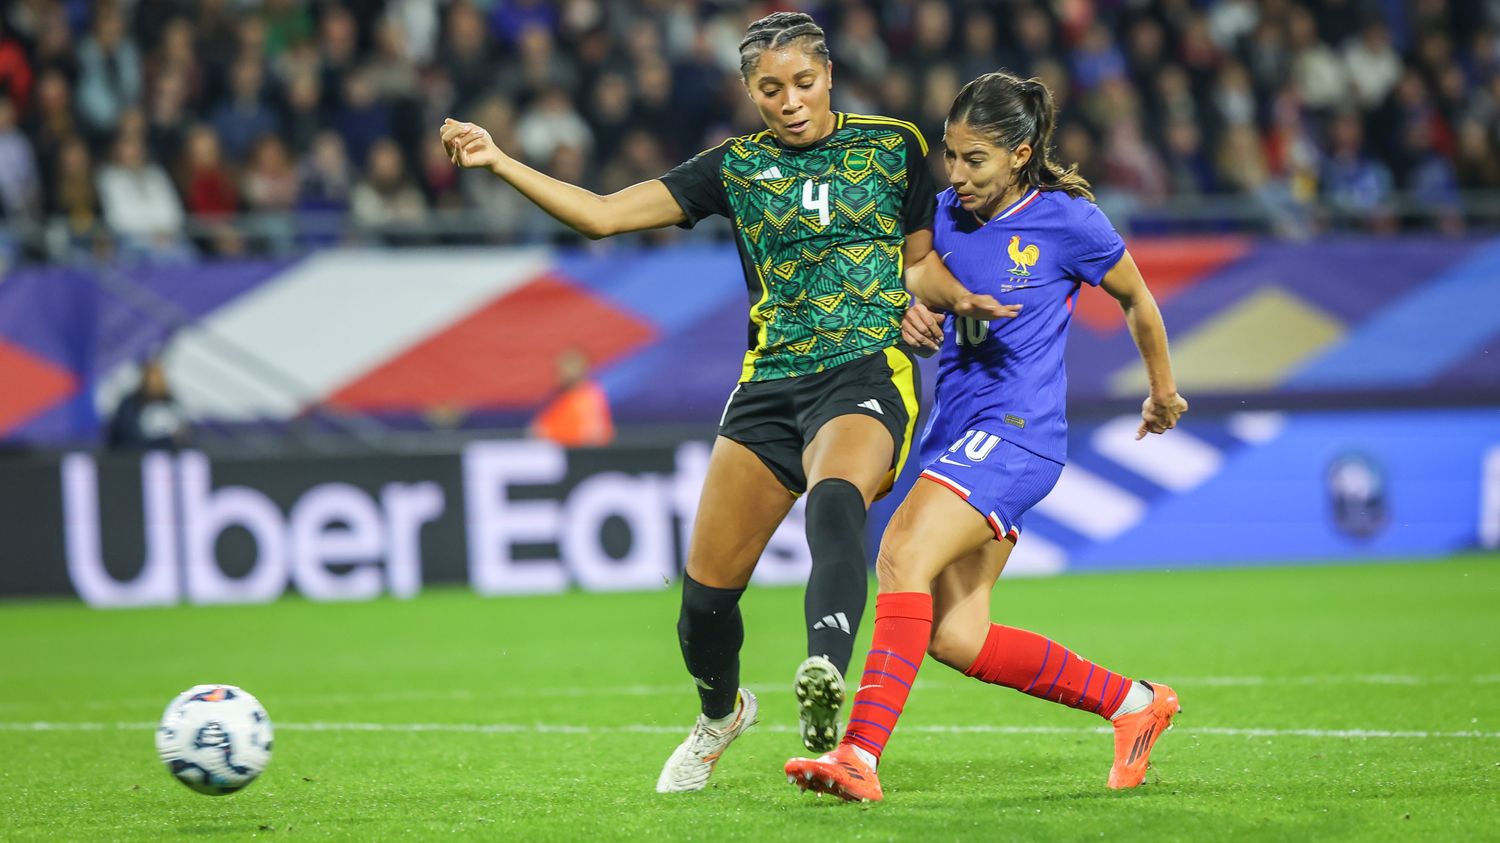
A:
[836,587]
[710,631]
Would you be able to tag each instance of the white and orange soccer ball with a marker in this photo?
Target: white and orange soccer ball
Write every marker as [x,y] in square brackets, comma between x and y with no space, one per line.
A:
[215,738]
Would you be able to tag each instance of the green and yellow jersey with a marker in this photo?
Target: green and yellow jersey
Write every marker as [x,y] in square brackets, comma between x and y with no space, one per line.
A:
[820,231]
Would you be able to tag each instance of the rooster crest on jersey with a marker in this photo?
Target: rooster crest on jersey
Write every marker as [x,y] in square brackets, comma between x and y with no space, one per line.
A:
[1023,259]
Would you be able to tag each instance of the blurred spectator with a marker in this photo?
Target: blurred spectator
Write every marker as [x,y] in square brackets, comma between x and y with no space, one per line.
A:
[1321,78]
[140,203]
[20,181]
[245,116]
[287,23]
[536,67]
[208,188]
[176,56]
[1097,60]
[109,77]
[578,415]
[1229,21]
[1430,177]
[364,120]
[338,52]
[167,116]
[391,71]
[149,417]
[509,19]
[326,177]
[270,179]
[54,47]
[467,55]
[15,73]
[550,124]
[640,159]
[860,48]
[73,197]
[1242,167]
[1478,164]
[387,200]
[1189,170]
[1353,183]
[1234,96]
[420,24]
[1130,165]
[303,117]
[610,113]
[270,188]
[1373,65]
[1034,39]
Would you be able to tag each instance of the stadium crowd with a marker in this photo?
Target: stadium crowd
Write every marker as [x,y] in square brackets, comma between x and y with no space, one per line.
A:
[171,128]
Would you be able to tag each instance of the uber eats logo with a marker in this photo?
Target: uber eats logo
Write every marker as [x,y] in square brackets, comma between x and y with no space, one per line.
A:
[507,517]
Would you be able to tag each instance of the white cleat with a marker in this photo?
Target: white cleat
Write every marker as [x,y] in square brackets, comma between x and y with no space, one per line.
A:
[690,764]
[820,697]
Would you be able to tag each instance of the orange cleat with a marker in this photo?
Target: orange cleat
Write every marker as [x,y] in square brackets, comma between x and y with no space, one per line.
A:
[840,772]
[1136,733]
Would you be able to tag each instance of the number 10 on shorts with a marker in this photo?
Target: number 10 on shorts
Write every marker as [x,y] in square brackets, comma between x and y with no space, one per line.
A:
[976,445]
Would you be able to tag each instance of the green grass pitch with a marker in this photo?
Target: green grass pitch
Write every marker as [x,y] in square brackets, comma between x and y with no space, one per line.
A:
[1351,702]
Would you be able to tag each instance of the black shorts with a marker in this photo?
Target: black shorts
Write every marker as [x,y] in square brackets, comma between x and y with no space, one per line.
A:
[777,419]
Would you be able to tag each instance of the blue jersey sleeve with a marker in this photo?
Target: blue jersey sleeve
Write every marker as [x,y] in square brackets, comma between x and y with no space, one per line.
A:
[1094,246]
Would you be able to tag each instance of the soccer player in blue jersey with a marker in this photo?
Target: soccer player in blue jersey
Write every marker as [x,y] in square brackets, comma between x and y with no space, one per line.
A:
[1019,227]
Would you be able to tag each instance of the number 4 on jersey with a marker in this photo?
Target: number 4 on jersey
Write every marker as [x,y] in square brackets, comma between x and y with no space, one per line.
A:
[820,204]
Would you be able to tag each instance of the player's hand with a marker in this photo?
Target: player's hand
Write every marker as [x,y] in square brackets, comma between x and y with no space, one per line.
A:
[984,308]
[469,145]
[922,329]
[1160,415]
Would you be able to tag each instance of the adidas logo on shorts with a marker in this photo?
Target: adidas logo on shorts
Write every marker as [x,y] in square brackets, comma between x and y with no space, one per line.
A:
[872,404]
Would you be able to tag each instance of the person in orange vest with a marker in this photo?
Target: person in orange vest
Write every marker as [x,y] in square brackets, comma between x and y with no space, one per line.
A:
[578,416]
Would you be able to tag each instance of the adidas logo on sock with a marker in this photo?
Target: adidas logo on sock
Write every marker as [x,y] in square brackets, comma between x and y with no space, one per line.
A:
[773,173]
[872,404]
[837,620]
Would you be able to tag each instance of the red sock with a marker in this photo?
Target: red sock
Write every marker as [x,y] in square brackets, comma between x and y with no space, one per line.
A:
[903,625]
[1045,669]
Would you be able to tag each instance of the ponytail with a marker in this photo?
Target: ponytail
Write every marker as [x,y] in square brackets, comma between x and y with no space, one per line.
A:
[1012,111]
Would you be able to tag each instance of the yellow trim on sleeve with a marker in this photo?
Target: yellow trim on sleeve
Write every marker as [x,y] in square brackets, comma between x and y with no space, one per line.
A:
[875,119]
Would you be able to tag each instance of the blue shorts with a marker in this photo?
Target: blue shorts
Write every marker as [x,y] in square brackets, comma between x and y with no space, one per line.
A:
[999,479]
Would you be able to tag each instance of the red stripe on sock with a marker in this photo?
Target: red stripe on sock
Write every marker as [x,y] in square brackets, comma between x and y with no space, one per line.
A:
[903,625]
[1029,663]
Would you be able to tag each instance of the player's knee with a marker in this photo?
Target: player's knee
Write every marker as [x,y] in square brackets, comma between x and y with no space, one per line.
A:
[953,647]
[901,563]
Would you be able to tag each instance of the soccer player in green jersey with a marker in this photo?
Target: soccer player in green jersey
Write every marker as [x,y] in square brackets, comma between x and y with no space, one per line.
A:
[832,212]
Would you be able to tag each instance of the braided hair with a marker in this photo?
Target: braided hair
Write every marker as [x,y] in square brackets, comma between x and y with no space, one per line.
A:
[778,30]
[1011,111]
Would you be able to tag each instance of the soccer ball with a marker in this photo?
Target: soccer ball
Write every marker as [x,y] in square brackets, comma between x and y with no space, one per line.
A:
[214,738]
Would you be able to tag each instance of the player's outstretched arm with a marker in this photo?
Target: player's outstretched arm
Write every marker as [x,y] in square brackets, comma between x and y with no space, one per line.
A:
[1163,407]
[930,281]
[636,208]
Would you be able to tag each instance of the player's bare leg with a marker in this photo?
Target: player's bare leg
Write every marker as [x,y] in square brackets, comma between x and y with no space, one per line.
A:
[741,506]
[961,604]
[846,465]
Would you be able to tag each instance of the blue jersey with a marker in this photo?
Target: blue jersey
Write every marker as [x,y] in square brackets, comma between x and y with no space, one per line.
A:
[1006,377]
